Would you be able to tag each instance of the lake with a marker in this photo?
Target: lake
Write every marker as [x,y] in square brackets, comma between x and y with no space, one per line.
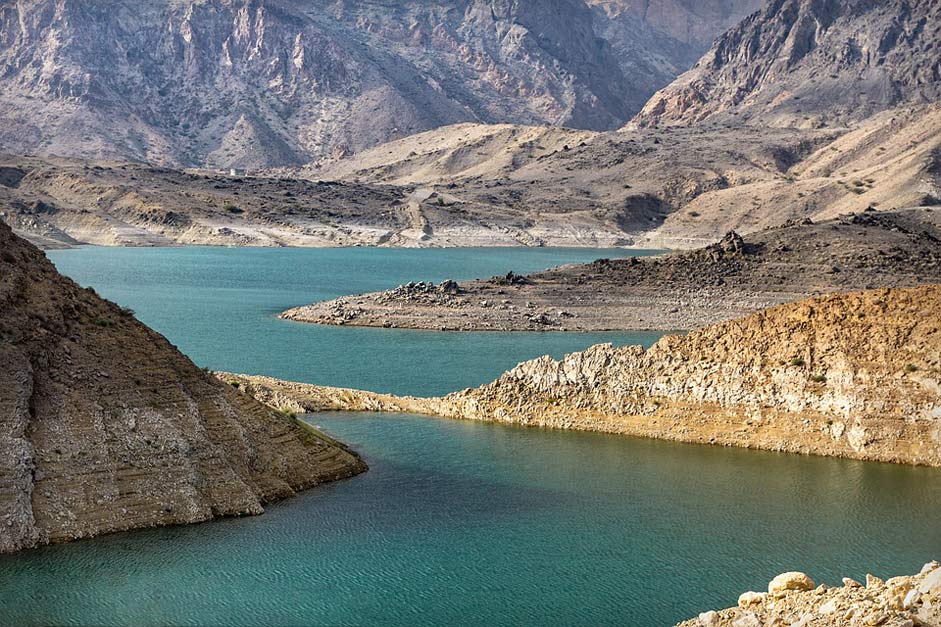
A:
[456,523]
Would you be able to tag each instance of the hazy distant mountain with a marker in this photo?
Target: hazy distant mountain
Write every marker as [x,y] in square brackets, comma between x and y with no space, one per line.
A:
[269,82]
[811,63]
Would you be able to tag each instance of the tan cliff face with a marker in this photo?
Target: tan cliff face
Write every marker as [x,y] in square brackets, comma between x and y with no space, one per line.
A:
[105,426]
[856,375]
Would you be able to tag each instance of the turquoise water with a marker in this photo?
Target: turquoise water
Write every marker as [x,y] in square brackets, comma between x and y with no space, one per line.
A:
[456,523]
[220,306]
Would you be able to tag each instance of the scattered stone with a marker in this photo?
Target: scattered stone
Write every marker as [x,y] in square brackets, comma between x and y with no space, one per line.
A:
[852,605]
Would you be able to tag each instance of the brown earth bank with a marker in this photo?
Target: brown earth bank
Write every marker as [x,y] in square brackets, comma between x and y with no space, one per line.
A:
[683,290]
[794,599]
[853,375]
[105,426]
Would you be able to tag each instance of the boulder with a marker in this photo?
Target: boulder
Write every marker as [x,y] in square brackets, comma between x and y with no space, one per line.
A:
[751,598]
[789,581]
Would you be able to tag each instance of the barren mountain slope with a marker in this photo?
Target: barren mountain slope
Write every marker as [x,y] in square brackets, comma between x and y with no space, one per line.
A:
[676,291]
[60,202]
[63,201]
[674,187]
[660,39]
[483,185]
[810,63]
[105,426]
[251,83]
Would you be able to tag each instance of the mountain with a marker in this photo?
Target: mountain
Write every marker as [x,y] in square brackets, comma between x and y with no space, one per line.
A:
[107,427]
[666,35]
[810,63]
[250,83]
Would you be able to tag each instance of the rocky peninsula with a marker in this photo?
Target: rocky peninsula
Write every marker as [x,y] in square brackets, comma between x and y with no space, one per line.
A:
[853,375]
[684,290]
[794,599]
[105,426]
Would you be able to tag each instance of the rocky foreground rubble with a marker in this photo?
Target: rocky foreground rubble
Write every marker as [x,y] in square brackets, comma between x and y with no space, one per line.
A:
[794,600]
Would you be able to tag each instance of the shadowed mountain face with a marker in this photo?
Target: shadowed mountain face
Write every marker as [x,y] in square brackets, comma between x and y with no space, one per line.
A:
[105,426]
[810,63]
[247,83]
[691,26]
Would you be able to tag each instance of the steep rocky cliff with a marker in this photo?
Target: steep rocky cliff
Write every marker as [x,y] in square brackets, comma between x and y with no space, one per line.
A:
[105,426]
[810,63]
[272,82]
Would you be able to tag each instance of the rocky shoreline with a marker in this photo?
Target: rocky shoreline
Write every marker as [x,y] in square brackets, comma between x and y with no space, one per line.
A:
[679,291]
[794,599]
[855,375]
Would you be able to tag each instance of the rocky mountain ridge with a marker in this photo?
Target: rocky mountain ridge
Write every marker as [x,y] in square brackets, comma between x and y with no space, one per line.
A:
[105,426]
[809,63]
[250,83]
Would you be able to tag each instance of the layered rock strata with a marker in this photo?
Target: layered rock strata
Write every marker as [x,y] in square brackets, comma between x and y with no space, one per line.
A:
[105,426]
[855,375]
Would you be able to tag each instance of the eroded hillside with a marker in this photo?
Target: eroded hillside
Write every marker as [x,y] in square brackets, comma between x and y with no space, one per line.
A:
[808,63]
[251,83]
[107,427]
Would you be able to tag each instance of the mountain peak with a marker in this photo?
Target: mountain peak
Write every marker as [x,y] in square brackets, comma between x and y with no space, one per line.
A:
[809,63]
